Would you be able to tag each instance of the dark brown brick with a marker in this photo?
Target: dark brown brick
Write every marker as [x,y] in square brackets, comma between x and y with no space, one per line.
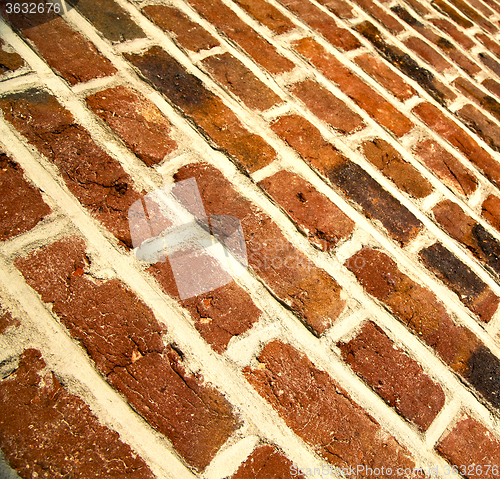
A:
[110,19]
[97,180]
[122,336]
[398,378]
[235,76]
[324,24]
[136,120]
[443,7]
[457,35]
[318,410]
[470,289]
[490,62]
[476,94]
[265,462]
[9,61]
[456,448]
[446,167]
[488,42]
[419,309]
[48,432]
[389,79]
[487,129]
[21,205]
[189,34]
[324,223]
[431,56]
[338,7]
[491,210]
[354,182]
[215,119]
[237,30]
[387,159]
[451,132]
[327,106]
[492,85]
[364,95]
[387,20]
[312,294]
[472,13]
[267,14]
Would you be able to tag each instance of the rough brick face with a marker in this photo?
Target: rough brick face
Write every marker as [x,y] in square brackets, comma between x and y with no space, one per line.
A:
[491,210]
[267,14]
[428,53]
[457,35]
[321,412]
[215,119]
[398,379]
[486,101]
[391,23]
[9,61]
[487,129]
[47,432]
[21,205]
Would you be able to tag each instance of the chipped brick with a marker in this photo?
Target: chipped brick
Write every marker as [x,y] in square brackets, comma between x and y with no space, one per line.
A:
[394,375]
[21,205]
[48,432]
[267,14]
[318,410]
[9,61]
[387,159]
[487,129]
[324,223]
[491,210]
[362,94]
[216,120]
[354,182]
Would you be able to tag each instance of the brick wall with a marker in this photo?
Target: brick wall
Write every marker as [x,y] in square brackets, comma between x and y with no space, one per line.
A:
[357,143]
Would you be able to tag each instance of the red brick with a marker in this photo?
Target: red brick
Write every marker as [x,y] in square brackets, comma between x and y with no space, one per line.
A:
[446,167]
[442,6]
[327,106]
[394,375]
[235,76]
[48,432]
[187,33]
[364,96]
[312,294]
[428,53]
[487,129]
[324,223]
[267,14]
[418,7]
[136,120]
[493,4]
[318,410]
[387,20]
[491,210]
[354,182]
[338,7]
[448,27]
[215,119]
[476,17]
[469,288]
[492,85]
[488,42]
[481,7]
[389,79]
[265,462]
[21,205]
[9,61]
[387,159]
[96,179]
[456,448]
[66,51]
[7,321]
[451,132]
[471,91]
[419,309]
[122,336]
[324,24]
[237,30]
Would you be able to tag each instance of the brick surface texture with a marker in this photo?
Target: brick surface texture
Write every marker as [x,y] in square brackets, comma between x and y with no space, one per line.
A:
[250,239]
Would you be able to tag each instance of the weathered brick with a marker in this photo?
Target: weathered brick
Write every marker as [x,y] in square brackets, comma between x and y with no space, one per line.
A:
[324,24]
[472,13]
[419,309]
[493,4]
[470,289]
[312,294]
[364,95]
[215,119]
[488,42]
[487,129]
[338,7]
[6,320]
[393,374]
[472,445]
[122,336]
[491,210]
[21,205]
[431,56]
[110,19]
[389,79]
[492,85]
[237,30]
[318,410]
[267,14]
[355,183]
[65,50]
[457,35]
[490,62]
[389,21]
[97,180]
[189,34]
[446,167]
[481,7]
[451,132]
[418,7]
[9,61]
[48,432]
[474,93]
[136,120]
[387,159]
[406,64]
[327,106]
[324,223]
[267,461]
[469,232]
[235,76]
[443,7]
